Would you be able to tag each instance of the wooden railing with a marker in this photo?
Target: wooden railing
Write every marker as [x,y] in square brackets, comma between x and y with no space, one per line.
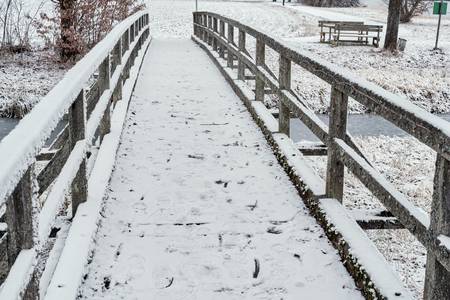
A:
[217,34]
[41,176]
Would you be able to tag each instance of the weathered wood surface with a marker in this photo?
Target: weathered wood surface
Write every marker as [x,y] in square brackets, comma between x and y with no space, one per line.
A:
[342,152]
[21,204]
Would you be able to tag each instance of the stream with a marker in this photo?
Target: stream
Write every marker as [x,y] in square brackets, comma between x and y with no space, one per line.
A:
[358,125]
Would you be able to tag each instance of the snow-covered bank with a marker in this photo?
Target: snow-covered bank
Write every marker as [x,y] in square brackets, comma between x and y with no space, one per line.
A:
[25,79]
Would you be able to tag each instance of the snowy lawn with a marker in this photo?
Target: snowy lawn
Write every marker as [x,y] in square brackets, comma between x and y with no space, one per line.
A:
[198,207]
[421,74]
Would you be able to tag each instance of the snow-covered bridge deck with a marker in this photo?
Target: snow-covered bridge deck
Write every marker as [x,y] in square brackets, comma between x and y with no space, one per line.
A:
[198,207]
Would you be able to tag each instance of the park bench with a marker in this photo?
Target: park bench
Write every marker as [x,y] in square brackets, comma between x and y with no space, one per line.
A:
[329,27]
[349,32]
[357,34]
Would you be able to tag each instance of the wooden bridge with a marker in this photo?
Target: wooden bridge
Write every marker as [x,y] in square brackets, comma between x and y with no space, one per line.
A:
[197,205]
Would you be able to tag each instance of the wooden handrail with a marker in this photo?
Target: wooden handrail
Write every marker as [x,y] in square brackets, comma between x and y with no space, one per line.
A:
[432,231]
[34,197]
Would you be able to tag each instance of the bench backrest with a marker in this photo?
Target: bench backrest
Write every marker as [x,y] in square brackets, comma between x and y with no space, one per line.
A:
[334,23]
[359,27]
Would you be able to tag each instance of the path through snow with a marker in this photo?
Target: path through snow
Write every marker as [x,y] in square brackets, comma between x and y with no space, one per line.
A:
[198,199]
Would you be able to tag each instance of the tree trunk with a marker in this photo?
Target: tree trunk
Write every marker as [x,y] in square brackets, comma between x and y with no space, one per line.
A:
[391,40]
[67,12]
[5,23]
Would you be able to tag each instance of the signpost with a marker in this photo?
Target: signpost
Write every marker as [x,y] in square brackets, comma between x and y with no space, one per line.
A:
[196,5]
[439,8]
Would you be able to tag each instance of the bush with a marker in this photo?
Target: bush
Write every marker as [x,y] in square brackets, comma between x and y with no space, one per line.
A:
[412,8]
[331,3]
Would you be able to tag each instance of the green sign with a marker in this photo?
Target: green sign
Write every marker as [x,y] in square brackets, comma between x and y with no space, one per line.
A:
[440,7]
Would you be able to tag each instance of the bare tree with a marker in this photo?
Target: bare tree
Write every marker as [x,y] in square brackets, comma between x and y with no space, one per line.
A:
[393,22]
[5,22]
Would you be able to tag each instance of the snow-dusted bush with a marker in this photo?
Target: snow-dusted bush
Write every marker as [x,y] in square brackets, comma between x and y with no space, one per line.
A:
[331,3]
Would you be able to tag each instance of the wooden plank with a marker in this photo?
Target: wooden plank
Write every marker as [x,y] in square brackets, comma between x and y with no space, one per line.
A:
[4,266]
[46,155]
[313,149]
[53,168]
[62,137]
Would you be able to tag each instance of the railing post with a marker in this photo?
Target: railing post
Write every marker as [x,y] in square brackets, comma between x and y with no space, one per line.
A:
[131,32]
[209,27]
[222,34]
[19,215]
[437,278]
[194,19]
[215,31]
[230,38]
[204,24]
[285,84]
[104,79]
[260,61]
[104,75]
[337,129]
[77,132]
[241,45]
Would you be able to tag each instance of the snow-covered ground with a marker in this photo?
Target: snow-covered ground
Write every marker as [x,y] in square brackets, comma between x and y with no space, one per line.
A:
[198,207]
[25,79]
[420,73]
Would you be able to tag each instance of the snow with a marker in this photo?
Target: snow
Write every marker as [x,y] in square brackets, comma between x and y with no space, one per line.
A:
[364,250]
[20,275]
[409,166]
[197,196]
[25,141]
[26,78]
[419,74]
[64,285]
[56,197]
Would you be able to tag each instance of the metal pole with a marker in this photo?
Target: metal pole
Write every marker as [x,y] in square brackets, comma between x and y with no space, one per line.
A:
[196,5]
[439,25]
